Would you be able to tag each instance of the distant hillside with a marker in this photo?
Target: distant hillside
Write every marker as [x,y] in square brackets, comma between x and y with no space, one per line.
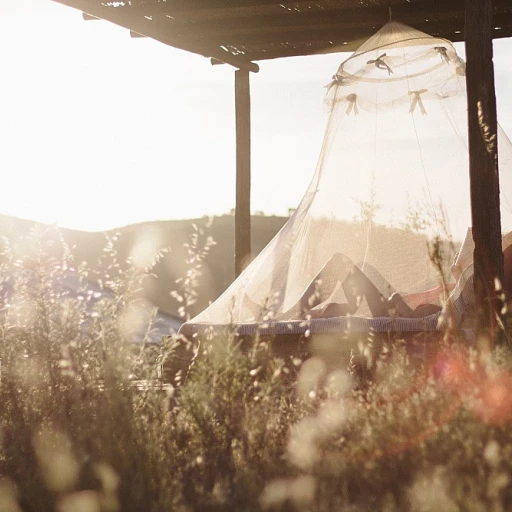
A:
[398,254]
[141,242]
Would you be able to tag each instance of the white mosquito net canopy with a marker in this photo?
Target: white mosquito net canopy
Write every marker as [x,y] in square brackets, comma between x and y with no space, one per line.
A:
[392,177]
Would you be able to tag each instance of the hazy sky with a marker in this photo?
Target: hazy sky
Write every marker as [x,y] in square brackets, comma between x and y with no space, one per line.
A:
[100,130]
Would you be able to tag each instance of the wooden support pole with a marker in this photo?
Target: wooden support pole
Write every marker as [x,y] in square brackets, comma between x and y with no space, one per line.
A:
[243,171]
[483,166]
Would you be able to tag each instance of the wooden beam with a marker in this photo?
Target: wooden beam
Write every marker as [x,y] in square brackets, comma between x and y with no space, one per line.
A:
[239,40]
[156,30]
[335,32]
[270,46]
[189,7]
[136,35]
[88,17]
[291,36]
[258,54]
[170,6]
[349,18]
[317,47]
[243,171]
[226,24]
[313,49]
[483,167]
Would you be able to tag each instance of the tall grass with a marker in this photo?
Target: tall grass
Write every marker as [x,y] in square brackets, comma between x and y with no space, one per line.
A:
[244,431]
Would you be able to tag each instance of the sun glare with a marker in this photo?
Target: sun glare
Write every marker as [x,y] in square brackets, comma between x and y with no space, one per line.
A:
[100,130]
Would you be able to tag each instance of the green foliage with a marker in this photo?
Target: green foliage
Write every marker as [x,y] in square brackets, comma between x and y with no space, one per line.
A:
[245,431]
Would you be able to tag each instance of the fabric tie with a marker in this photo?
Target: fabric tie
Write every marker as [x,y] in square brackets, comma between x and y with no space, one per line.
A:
[416,100]
[336,80]
[443,53]
[352,104]
[380,64]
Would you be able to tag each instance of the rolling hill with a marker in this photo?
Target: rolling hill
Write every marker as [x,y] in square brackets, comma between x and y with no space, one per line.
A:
[141,243]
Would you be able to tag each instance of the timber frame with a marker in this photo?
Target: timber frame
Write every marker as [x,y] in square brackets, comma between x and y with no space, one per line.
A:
[240,32]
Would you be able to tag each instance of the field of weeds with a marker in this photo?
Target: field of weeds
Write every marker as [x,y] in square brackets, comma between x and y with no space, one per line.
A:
[77,436]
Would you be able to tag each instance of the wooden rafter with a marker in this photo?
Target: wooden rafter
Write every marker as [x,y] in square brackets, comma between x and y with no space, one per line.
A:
[238,32]
[226,32]
[156,30]
[348,18]
[335,34]
[314,47]
[227,19]
[175,6]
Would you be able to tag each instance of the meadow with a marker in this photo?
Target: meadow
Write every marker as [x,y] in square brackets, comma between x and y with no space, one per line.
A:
[244,430]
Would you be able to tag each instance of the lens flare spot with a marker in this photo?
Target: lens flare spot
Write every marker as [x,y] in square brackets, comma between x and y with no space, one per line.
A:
[494,402]
[452,372]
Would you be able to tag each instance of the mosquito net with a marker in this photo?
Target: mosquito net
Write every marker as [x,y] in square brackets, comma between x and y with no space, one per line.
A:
[391,179]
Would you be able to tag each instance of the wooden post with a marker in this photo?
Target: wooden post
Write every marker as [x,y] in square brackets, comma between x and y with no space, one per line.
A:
[243,171]
[483,165]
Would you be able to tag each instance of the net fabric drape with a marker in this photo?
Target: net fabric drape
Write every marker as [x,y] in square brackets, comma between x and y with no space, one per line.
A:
[392,177]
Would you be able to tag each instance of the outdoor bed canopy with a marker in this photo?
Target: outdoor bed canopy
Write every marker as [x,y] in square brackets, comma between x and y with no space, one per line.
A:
[242,32]
[390,192]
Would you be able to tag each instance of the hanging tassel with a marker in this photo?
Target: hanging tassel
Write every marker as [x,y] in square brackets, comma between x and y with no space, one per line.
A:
[352,104]
[379,63]
[417,101]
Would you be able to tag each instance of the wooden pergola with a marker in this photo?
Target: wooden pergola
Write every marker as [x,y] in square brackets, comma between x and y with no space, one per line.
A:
[242,32]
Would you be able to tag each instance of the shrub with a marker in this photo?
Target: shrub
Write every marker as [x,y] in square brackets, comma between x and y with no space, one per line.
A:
[244,431]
